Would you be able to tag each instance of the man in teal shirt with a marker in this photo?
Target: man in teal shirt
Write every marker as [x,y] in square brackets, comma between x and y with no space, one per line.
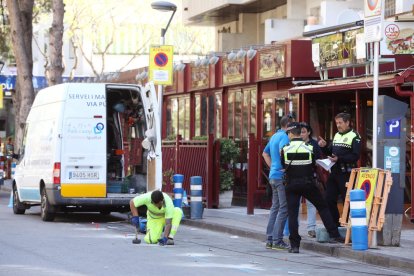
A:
[278,211]
[161,214]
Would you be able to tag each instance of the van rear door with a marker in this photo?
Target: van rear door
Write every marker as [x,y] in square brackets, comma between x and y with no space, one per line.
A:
[83,156]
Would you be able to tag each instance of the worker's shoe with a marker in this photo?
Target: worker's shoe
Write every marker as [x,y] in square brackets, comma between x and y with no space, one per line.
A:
[280,246]
[294,250]
[170,241]
[338,239]
[269,245]
[312,233]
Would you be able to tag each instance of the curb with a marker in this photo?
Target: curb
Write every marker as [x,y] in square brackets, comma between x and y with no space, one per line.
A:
[341,251]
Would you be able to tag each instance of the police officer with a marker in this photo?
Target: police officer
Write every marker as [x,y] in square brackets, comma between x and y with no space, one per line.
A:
[299,163]
[344,151]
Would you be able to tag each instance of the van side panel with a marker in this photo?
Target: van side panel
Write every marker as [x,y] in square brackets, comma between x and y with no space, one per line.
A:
[36,164]
[83,155]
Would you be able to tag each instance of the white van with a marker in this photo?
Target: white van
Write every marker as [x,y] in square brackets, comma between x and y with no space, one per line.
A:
[72,156]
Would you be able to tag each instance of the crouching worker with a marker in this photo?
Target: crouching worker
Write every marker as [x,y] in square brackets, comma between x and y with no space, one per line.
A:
[161,215]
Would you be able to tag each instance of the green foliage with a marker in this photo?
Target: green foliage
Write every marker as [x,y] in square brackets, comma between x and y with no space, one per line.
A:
[171,137]
[200,138]
[226,180]
[229,152]
[167,176]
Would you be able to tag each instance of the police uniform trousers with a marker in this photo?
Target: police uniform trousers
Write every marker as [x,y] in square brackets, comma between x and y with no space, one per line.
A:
[335,185]
[306,187]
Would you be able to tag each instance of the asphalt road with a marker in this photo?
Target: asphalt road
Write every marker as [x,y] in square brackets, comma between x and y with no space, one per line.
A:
[91,244]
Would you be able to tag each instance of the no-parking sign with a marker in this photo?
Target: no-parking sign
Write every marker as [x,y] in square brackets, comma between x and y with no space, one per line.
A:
[161,64]
[367,181]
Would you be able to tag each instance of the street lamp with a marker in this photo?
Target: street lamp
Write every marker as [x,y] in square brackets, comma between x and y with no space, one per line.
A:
[163,6]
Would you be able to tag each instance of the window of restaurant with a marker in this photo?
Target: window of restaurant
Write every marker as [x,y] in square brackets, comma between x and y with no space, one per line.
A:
[178,117]
[242,106]
[208,114]
[273,110]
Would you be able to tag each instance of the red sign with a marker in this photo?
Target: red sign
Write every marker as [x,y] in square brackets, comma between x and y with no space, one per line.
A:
[161,59]
[392,31]
[372,4]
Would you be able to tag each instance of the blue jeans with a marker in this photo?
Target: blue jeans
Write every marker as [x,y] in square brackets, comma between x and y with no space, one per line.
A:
[311,214]
[278,212]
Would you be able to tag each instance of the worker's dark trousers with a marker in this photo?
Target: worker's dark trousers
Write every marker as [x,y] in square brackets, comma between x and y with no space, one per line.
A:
[307,188]
[335,186]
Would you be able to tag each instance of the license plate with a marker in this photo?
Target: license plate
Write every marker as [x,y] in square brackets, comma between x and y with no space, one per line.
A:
[83,175]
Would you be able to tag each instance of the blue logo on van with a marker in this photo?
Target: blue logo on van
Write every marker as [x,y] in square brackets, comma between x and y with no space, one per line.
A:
[98,128]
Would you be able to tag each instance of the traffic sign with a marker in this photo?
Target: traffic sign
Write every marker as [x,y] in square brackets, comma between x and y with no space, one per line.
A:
[372,8]
[161,64]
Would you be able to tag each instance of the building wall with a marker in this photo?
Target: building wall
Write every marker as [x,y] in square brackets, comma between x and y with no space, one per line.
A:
[193,8]
[403,5]
[282,29]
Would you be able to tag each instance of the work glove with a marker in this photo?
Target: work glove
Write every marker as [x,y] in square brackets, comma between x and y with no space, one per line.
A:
[163,241]
[135,221]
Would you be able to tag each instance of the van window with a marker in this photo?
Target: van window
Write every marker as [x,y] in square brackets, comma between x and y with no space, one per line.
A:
[23,145]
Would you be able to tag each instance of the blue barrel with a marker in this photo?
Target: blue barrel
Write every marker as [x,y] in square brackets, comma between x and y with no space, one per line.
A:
[358,215]
[196,204]
[178,180]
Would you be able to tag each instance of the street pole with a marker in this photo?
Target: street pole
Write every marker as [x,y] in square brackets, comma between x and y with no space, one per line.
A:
[165,7]
[375,122]
[158,169]
[375,106]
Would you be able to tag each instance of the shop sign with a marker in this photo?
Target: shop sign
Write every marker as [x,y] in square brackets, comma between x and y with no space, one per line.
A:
[337,50]
[272,63]
[8,82]
[398,38]
[233,71]
[200,77]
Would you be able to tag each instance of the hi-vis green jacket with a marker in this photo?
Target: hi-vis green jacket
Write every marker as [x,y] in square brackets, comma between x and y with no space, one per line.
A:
[298,159]
[347,147]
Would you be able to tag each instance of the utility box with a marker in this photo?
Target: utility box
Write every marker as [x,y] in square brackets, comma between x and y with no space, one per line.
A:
[391,156]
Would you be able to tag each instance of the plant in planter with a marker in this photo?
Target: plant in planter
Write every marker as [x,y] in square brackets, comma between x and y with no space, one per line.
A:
[229,152]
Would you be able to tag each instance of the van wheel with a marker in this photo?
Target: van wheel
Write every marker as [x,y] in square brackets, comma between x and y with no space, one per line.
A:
[45,208]
[18,207]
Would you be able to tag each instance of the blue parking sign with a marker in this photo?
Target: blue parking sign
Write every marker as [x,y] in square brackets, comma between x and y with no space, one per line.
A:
[393,128]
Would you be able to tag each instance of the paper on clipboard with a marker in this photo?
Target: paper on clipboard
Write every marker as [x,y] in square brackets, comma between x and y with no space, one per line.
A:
[326,164]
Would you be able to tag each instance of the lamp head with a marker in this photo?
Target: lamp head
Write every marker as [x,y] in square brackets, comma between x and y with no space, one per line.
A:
[251,53]
[241,54]
[214,60]
[232,56]
[163,6]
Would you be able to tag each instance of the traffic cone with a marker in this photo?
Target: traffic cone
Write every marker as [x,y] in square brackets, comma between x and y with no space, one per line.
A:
[11,200]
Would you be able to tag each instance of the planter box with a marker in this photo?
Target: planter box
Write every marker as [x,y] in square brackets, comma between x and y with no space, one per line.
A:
[225,199]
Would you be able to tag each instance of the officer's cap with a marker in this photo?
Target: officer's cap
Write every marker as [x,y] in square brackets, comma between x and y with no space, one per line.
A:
[293,125]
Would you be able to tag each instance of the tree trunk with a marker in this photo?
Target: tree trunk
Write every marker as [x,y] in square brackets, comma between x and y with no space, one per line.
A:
[55,69]
[20,15]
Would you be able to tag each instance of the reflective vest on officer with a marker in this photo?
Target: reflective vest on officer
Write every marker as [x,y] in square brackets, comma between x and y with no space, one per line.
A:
[341,145]
[344,140]
[298,158]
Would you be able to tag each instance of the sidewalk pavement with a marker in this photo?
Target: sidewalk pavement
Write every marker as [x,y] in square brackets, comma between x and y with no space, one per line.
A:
[235,221]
